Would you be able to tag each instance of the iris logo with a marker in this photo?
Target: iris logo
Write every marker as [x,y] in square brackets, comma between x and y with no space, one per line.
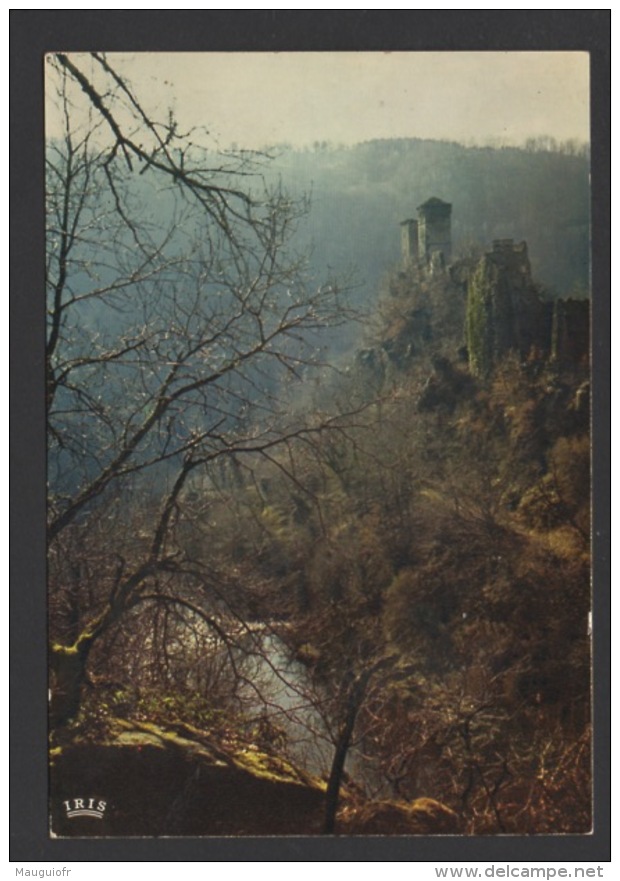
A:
[85,807]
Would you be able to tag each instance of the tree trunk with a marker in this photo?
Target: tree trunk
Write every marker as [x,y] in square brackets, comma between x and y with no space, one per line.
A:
[68,663]
[68,675]
[356,696]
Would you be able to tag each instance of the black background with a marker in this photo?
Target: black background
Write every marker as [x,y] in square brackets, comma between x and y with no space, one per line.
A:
[34,32]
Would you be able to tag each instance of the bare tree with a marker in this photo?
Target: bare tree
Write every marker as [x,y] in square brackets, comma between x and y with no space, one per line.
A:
[176,318]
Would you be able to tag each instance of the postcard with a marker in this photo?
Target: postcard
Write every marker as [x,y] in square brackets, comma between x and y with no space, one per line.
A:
[318,382]
[318,443]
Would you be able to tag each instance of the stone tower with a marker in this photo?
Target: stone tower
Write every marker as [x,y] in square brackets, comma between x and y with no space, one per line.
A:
[409,241]
[434,233]
[505,312]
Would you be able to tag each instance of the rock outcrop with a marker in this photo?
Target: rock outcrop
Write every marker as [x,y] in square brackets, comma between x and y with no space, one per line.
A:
[423,816]
[157,781]
[181,781]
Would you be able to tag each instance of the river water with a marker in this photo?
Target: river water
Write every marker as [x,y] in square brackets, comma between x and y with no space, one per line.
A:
[281,692]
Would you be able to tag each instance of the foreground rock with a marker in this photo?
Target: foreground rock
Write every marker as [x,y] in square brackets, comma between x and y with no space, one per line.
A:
[145,780]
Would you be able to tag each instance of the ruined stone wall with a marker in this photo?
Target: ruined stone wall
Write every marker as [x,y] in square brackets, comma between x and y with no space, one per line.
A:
[505,313]
[570,331]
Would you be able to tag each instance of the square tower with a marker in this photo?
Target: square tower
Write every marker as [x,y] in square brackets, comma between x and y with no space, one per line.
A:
[409,241]
[434,229]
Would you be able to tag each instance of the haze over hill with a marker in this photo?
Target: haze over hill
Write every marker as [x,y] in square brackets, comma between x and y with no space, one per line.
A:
[360,195]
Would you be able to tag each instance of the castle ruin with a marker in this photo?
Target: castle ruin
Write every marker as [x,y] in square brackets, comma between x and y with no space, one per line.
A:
[429,238]
[505,311]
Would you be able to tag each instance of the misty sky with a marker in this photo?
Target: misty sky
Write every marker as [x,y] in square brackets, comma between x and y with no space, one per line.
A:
[257,99]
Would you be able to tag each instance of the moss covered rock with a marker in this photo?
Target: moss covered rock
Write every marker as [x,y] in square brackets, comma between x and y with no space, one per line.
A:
[156,781]
[179,781]
[424,816]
